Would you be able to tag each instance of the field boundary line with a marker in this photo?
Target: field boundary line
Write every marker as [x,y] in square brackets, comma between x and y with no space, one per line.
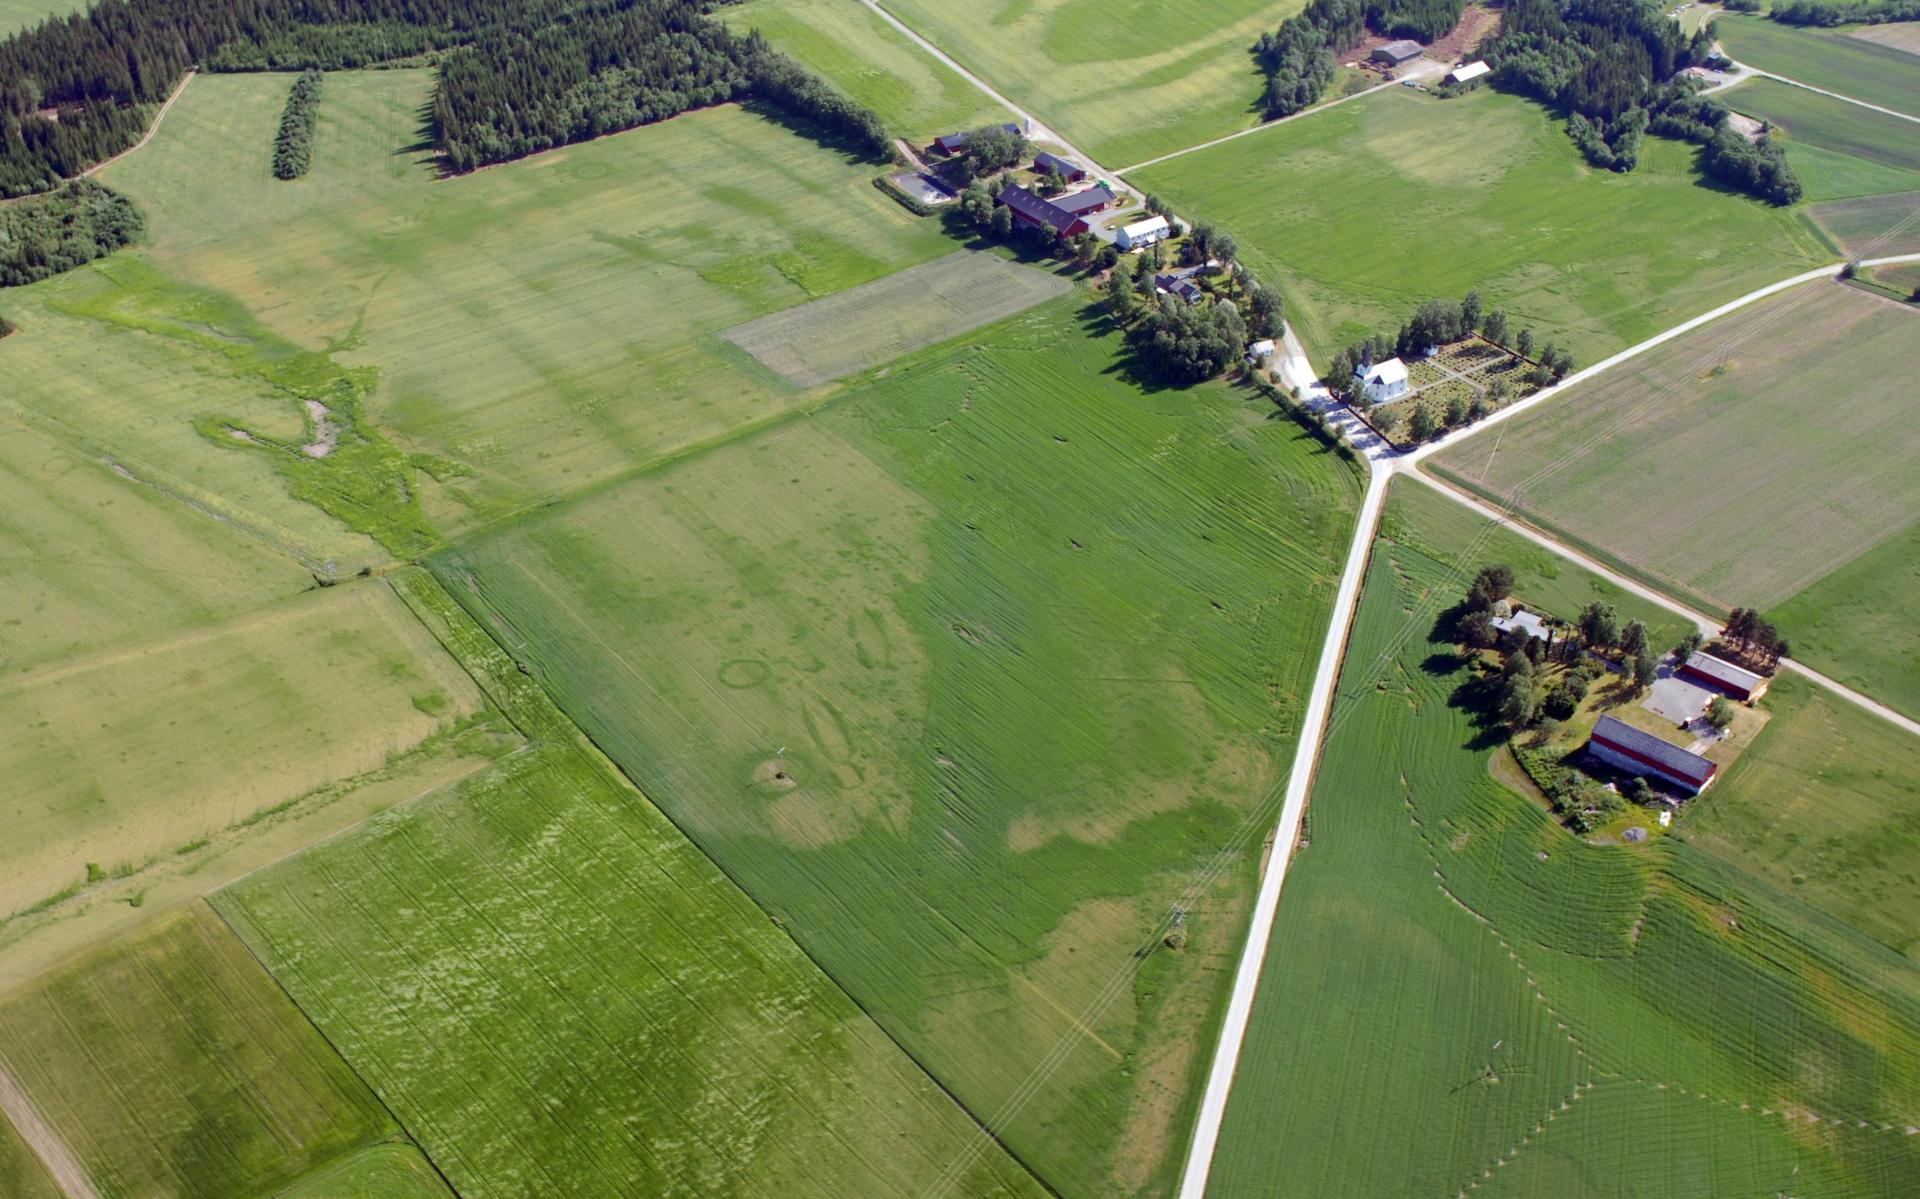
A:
[1253,129]
[1821,91]
[48,1146]
[165,107]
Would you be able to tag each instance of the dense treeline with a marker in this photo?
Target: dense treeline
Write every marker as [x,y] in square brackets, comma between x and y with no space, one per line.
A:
[1422,20]
[1612,66]
[293,145]
[1845,12]
[1301,56]
[44,235]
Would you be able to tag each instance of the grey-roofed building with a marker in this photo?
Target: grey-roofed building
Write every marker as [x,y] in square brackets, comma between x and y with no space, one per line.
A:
[1036,210]
[1093,199]
[1395,53]
[1640,753]
[1723,675]
[953,143]
[1053,164]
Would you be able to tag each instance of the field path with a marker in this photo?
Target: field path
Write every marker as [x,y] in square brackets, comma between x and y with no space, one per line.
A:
[151,129]
[1892,112]
[45,1143]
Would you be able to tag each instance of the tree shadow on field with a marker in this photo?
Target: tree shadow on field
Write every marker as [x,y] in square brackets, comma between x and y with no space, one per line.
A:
[425,148]
[1097,322]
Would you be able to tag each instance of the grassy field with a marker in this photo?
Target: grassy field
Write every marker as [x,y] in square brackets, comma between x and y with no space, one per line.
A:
[21,1175]
[964,678]
[491,341]
[1826,807]
[127,755]
[870,61]
[172,1065]
[1413,197]
[1875,226]
[19,14]
[1123,82]
[1689,462]
[877,322]
[391,1171]
[1499,1007]
[558,994]
[1852,66]
[1839,150]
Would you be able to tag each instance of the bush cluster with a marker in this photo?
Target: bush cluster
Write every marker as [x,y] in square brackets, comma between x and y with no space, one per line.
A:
[44,235]
[293,145]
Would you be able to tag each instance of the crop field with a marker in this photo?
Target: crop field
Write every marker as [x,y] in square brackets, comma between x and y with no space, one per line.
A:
[19,14]
[1852,623]
[1900,35]
[125,755]
[170,1064]
[491,341]
[1414,197]
[1707,448]
[1123,82]
[1840,150]
[964,677]
[391,1171]
[871,62]
[877,322]
[1874,226]
[559,994]
[1499,1006]
[1826,808]
[1852,66]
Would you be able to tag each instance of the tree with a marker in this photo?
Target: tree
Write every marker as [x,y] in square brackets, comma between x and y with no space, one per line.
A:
[1106,257]
[1598,626]
[1523,345]
[1470,311]
[976,204]
[1646,668]
[1688,644]
[1495,327]
[1123,299]
[1563,699]
[1456,411]
[1154,205]
[1519,700]
[1224,248]
[1633,638]
[1002,221]
[1475,629]
[1263,311]
[1719,713]
[1492,584]
[1421,425]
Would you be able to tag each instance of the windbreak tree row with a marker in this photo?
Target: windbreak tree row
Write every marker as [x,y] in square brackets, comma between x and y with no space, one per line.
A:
[293,145]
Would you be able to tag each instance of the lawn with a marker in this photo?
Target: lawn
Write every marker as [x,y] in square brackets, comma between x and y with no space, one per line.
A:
[1703,466]
[1462,995]
[1839,150]
[1364,211]
[558,994]
[495,340]
[964,678]
[1124,82]
[125,756]
[171,1064]
[870,61]
[1852,66]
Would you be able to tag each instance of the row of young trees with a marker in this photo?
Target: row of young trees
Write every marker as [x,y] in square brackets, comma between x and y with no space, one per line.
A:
[44,235]
[293,144]
[1755,638]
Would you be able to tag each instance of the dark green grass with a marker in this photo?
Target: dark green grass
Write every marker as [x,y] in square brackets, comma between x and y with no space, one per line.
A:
[1851,66]
[1808,118]
[1461,990]
[1855,622]
[1027,643]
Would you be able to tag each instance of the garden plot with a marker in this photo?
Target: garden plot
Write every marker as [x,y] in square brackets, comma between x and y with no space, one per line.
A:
[877,322]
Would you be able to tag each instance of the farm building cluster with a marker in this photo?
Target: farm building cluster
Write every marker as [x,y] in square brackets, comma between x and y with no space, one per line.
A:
[1682,695]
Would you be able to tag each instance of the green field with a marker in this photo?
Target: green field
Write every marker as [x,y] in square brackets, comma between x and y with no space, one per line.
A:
[557,994]
[124,756]
[1703,465]
[1839,150]
[1874,226]
[1124,82]
[1366,210]
[170,1064]
[964,677]
[1825,806]
[495,340]
[393,1171]
[1851,66]
[870,61]
[19,14]
[1462,996]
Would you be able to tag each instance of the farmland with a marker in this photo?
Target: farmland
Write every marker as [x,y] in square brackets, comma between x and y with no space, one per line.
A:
[122,757]
[1852,66]
[1840,150]
[1687,463]
[1124,84]
[504,337]
[558,993]
[170,1064]
[1400,212]
[1873,226]
[376,1172]
[18,14]
[1853,621]
[1517,1006]
[965,688]
[871,62]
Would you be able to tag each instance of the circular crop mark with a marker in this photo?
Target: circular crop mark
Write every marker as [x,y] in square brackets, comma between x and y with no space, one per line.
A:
[741,673]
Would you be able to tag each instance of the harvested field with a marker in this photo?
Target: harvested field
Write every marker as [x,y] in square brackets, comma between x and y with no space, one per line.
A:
[1512,1003]
[877,322]
[1590,259]
[1863,69]
[560,995]
[124,756]
[171,1064]
[1027,643]
[1900,35]
[1740,463]
[1840,150]
[1877,226]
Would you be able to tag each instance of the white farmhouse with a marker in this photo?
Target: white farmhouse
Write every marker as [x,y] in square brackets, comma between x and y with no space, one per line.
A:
[1382,381]
[1142,233]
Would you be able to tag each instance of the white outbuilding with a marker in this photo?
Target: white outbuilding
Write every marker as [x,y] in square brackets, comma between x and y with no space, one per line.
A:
[1260,351]
[1382,381]
[1142,233]
[1468,72]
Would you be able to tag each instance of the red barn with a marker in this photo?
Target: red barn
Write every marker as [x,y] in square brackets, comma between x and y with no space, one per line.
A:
[1053,164]
[1722,675]
[1640,753]
[1034,210]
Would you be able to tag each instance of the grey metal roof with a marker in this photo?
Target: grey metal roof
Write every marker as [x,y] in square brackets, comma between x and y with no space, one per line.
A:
[1034,208]
[1725,671]
[1053,162]
[1081,201]
[1672,758]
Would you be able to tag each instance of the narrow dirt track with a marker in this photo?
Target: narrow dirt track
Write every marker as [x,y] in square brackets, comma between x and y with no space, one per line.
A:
[45,1143]
[151,129]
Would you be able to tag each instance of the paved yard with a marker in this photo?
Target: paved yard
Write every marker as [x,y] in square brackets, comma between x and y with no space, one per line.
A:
[1675,698]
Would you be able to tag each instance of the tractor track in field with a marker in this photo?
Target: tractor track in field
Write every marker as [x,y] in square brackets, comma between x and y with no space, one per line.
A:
[54,1155]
